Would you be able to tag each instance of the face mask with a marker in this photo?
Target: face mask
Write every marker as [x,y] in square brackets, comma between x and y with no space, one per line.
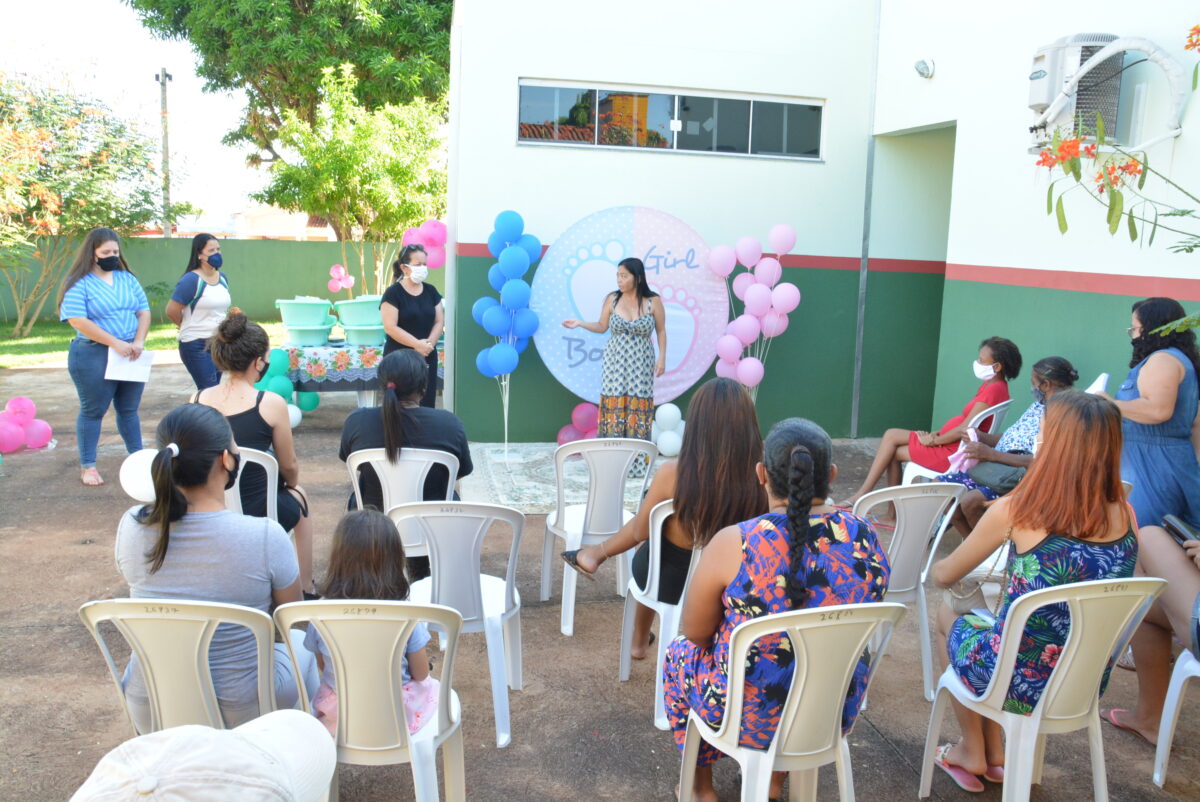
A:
[418,273]
[984,372]
[233,475]
[1034,448]
[1039,394]
[263,372]
[109,263]
[215,260]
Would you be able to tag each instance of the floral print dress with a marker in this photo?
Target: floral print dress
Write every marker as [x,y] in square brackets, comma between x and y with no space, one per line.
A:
[627,377]
[974,641]
[847,565]
[1017,439]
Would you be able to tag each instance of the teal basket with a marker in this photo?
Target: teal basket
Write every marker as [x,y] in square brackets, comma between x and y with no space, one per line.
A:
[362,311]
[364,335]
[303,312]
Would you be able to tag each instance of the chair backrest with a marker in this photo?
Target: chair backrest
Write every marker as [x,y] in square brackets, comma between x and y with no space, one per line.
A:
[171,640]
[827,643]
[991,419]
[922,514]
[1104,614]
[658,518]
[251,456]
[403,481]
[366,642]
[455,532]
[608,461]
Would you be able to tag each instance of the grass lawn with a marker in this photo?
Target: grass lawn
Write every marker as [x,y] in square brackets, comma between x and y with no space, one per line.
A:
[49,340]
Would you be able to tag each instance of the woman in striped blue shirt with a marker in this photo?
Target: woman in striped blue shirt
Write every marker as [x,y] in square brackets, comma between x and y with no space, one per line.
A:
[105,304]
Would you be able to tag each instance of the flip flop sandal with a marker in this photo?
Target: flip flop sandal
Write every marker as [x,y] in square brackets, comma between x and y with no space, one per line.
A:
[571,559]
[962,778]
[1111,717]
[91,472]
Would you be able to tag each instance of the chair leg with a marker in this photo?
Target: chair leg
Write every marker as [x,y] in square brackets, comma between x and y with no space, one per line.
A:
[1096,746]
[512,651]
[623,573]
[627,638]
[424,771]
[666,625]
[802,786]
[687,761]
[926,645]
[568,601]
[756,776]
[547,556]
[454,767]
[940,700]
[1185,666]
[1020,746]
[494,633]
[1039,759]
[845,774]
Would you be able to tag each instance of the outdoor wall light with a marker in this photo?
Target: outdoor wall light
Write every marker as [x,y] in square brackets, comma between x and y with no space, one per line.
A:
[924,68]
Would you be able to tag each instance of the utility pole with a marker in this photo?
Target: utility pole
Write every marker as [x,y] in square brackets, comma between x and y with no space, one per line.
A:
[162,78]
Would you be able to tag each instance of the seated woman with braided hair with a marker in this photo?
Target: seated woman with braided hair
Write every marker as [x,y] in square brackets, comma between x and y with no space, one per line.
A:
[824,556]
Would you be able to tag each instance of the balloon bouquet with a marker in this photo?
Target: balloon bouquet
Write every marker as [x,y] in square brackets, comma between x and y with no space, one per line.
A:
[275,380]
[509,319]
[767,303]
[339,279]
[432,236]
[20,427]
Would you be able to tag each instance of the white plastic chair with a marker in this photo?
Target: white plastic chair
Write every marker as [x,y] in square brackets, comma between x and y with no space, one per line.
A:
[366,640]
[250,456]
[171,640]
[455,533]
[403,482]
[608,461]
[997,414]
[827,643]
[1104,614]
[923,512]
[668,614]
[1186,667]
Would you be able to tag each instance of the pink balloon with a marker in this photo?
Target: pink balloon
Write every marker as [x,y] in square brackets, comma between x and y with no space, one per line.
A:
[740,283]
[431,233]
[746,328]
[768,271]
[758,299]
[568,434]
[726,370]
[590,434]
[348,281]
[337,271]
[412,236]
[333,285]
[782,238]
[722,260]
[12,437]
[749,251]
[785,298]
[37,433]
[774,323]
[585,416]
[21,410]
[435,256]
[750,371]
[729,347]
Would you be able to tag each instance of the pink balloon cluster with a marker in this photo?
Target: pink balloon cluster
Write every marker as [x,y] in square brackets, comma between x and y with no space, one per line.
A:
[20,428]
[585,419]
[339,279]
[767,302]
[431,235]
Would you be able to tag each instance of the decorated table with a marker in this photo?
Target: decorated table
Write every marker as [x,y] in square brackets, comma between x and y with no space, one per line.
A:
[342,368]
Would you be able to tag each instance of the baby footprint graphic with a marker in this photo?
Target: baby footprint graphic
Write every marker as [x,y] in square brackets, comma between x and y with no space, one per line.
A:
[682,312]
[592,275]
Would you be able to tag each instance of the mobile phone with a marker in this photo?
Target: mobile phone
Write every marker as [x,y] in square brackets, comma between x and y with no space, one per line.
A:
[1179,529]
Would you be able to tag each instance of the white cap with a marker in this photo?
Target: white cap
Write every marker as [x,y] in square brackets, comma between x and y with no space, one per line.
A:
[285,756]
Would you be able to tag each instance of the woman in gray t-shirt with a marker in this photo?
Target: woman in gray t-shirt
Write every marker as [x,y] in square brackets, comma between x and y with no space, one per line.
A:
[188,546]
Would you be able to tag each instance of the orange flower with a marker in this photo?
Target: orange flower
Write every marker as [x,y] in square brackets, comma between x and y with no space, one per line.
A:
[1047,159]
[1193,40]
[1068,149]
[1131,167]
[1089,150]
[369,357]
[316,369]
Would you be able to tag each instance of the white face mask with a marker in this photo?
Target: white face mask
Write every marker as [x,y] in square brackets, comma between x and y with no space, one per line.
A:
[418,273]
[984,372]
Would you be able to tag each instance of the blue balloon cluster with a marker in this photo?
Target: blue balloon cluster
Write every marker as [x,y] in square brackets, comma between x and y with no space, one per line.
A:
[508,319]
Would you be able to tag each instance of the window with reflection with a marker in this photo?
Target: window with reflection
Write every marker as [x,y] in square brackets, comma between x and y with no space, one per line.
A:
[786,129]
[716,125]
[634,119]
[557,114]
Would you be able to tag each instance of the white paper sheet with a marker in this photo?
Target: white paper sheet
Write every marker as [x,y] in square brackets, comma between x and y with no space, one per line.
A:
[128,370]
[1100,385]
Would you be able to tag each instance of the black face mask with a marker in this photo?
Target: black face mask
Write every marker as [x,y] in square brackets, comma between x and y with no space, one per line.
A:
[263,372]
[233,475]
[109,263]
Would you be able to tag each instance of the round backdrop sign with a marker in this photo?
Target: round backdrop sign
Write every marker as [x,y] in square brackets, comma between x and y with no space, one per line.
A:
[580,269]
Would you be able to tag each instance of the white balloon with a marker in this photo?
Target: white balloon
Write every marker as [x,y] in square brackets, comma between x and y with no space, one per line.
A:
[669,443]
[136,479]
[680,429]
[294,415]
[668,417]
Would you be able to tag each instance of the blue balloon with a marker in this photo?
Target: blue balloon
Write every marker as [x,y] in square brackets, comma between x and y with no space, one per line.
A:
[497,321]
[482,305]
[521,345]
[503,358]
[514,261]
[496,244]
[509,225]
[515,294]
[525,323]
[483,363]
[496,277]
[532,246]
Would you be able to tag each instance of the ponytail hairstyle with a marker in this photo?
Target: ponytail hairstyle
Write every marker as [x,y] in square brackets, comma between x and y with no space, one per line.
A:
[237,343]
[198,243]
[190,439]
[798,455]
[405,254]
[403,375]
[366,560]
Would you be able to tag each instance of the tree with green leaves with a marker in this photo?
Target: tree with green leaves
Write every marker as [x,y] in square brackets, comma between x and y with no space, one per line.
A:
[370,173]
[67,165]
[276,50]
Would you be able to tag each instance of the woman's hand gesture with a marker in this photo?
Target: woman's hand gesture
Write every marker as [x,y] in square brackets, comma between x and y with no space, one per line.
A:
[571,323]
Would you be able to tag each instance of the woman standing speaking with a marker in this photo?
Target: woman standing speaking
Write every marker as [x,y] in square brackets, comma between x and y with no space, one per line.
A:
[198,305]
[413,316]
[107,307]
[633,312]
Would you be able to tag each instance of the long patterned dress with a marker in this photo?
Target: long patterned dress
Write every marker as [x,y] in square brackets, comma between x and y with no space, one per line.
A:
[974,641]
[627,377]
[847,566]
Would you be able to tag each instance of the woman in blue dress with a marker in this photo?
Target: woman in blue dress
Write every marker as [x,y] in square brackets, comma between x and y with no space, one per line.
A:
[1159,401]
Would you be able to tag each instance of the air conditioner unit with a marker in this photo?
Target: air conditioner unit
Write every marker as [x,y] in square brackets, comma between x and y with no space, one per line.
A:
[1055,70]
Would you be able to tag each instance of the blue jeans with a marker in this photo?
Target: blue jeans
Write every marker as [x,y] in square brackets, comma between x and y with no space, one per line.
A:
[199,364]
[86,362]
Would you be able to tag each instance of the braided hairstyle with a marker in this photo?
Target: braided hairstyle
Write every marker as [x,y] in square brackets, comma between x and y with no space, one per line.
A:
[798,456]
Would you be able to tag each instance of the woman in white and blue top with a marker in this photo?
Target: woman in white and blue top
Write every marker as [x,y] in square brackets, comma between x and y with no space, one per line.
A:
[198,305]
[105,304]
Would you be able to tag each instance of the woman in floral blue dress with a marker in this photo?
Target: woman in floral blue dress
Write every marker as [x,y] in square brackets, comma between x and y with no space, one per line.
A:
[1068,522]
[798,555]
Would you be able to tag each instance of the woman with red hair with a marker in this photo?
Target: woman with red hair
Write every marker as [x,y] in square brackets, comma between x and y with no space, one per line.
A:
[1068,522]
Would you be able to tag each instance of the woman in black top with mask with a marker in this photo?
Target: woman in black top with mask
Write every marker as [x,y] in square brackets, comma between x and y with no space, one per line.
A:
[413,316]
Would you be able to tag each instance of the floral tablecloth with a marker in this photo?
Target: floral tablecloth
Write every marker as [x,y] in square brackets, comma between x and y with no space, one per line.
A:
[326,369]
